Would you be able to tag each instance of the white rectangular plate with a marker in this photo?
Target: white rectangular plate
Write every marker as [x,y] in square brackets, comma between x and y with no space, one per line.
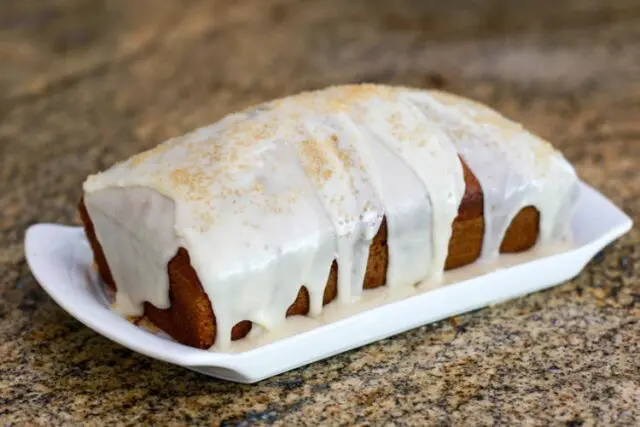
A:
[60,259]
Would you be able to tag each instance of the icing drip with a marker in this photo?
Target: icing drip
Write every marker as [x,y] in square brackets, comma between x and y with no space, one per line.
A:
[349,197]
[514,168]
[266,199]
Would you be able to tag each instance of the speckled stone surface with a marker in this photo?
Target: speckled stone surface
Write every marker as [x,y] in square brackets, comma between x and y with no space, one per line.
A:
[84,83]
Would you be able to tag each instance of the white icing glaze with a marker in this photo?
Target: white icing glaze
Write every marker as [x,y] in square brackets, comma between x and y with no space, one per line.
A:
[515,169]
[265,199]
[136,224]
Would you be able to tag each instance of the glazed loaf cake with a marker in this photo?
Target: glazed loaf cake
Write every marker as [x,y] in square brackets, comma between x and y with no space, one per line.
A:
[290,205]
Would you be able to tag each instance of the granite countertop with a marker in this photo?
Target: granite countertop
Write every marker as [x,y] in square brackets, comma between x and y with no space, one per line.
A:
[85,83]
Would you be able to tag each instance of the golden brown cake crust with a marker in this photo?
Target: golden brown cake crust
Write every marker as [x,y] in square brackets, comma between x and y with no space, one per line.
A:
[191,321]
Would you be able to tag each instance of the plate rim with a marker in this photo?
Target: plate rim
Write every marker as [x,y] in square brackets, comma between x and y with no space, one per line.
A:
[176,353]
